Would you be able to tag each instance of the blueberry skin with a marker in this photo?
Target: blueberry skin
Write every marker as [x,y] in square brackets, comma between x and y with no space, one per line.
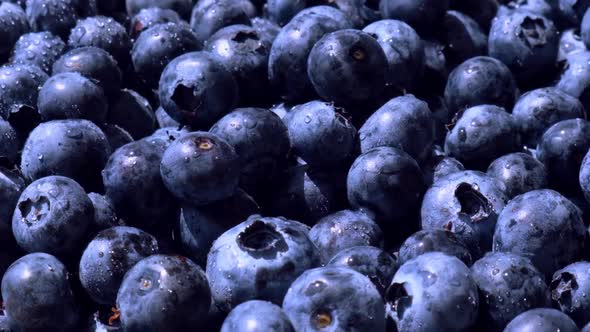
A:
[200,168]
[258,259]
[157,46]
[466,203]
[520,173]
[584,177]
[21,85]
[282,11]
[480,80]
[575,78]
[509,285]
[403,49]
[9,144]
[526,42]
[109,256]
[40,49]
[562,149]
[374,263]
[74,148]
[585,29]
[422,15]
[162,293]
[257,316]
[244,51]
[132,112]
[586,328]
[433,292]
[37,295]
[537,110]
[116,135]
[334,298]
[197,90]
[544,226]
[105,215]
[287,64]
[266,29]
[404,122]
[208,19]
[200,226]
[72,96]
[53,215]
[353,73]
[568,289]
[570,42]
[149,17]
[343,230]
[13,24]
[167,135]
[482,12]
[430,240]
[57,16]
[387,182]
[542,320]
[436,70]
[446,166]
[182,7]
[94,63]
[261,141]
[164,120]
[462,37]
[320,135]
[482,134]
[572,11]
[11,186]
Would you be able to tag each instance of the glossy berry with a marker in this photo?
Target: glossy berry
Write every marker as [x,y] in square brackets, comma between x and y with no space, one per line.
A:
[425,241]
[41,49]
[149,17]
[13,24]
[542,320]
[519,172]
[256,315]
[132,112]
[57,16]
[568,287]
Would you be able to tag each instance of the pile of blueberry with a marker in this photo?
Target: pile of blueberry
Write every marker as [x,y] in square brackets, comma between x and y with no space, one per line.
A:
[294,165]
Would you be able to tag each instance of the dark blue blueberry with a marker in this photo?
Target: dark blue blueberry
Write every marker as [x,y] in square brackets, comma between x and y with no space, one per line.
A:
[571,11]
[374,263]
[586,328]
[287,64]
[520,173]
[9,144]
[74,148]
[200,168]
[562,149]
[164,120]
[149,17]
[266,29]
[482,134]
[208,19]
[446,166]
[584,176]
[430,240]
[116,135]
[483,12]
[422,15]
[537,110]
[70,95]
[403,49]
[167,135]
[261,141]
[13,24]
[436,71]
[257,316]
[462,36]
[132,112]
[109,256]
[37,295]
[250,7]
[57,16]
[258,259]
[433,292]
[282,11]
[542,320]
[19,85]
[342,230]
[347,67]
[527,43]
[38,48]
[163,293]
[53,215]
[575,78]
[182,7]
[509,285]
[94,63]
[404,122]
[545,8]
[466,203]
[200,226]
[105,215]
[197,90]
[544,226]
[320,135]
[584,31]
[569,289]
[11,186]
[477,81]
[157,46]
[389,183]
[570,42]
[334,298]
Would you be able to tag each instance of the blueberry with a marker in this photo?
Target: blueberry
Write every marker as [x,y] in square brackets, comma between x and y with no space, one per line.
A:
[477,81]
[520,173]
[586,328]
[509,285]
[433,292]
[163,293]
[105,214]
[422,15]
[149,17]
[342,230]
[57,16]
[436,71]
[258,259]
[197,90]
[182,7]
[568,289]
[542,320]
[403,49]
[9,144]
[167,135]
[164,120]
[109,256]
[256,315]
[572,11]
[74,148]
[282,11]
[539,7]
[52,309]
[537,110]
[334,298]
[41,49]
[468,204]
[13,24]
[132,112]
[53,215]
[116,136]
[544,226]
[403,122]
[446,166]
[208,19]
[562,149]
[462,37]
[157,46]
[11,186]
[266,29]
[353,73]
[431,240]
[483,12]
[570,42]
